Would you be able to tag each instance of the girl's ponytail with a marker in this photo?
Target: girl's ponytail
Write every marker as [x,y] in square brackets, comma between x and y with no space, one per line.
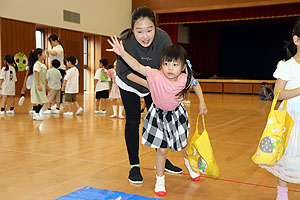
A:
[33,57]
[182,93]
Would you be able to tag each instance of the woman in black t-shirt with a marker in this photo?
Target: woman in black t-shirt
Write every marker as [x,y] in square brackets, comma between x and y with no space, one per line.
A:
[145,42]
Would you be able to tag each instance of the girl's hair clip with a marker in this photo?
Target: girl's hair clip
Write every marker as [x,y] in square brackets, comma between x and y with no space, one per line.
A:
[32,50]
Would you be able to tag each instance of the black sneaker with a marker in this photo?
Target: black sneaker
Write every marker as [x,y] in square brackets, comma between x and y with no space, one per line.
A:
[171,168]
[135,175]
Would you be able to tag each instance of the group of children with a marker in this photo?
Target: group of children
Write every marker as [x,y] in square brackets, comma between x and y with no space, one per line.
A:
[105,78]
[46,85]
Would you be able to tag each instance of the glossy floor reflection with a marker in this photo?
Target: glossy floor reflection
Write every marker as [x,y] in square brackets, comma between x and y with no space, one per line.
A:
[43,160]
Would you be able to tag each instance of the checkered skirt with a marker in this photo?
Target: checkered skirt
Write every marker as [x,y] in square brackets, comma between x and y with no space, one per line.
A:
[166,129]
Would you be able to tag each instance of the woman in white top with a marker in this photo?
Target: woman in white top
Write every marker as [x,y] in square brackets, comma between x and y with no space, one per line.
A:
[57,52]
[8,80]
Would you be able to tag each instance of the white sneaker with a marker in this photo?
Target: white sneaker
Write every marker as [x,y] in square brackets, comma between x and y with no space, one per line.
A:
[195,176]
[2,112]
[79,111]
[37,117]
[96,112]
[160,188]
[31,111]
[21,101]
[102,111]
[47,112]
[10,112]
[55,111]
[68,114]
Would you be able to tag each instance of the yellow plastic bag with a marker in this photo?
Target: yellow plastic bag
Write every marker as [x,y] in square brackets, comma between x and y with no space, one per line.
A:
[200,153]
[275,137]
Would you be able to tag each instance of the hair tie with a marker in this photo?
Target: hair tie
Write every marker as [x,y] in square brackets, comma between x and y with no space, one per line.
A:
[189,64]
[32,50]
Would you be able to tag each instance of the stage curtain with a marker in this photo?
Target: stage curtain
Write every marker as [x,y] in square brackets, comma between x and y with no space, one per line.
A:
[172,30]
[237,14]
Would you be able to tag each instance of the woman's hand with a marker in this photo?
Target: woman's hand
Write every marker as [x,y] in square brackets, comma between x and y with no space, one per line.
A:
[202,108]
[117,46]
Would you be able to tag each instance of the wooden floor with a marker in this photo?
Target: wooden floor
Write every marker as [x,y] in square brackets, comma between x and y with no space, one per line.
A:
[49,159]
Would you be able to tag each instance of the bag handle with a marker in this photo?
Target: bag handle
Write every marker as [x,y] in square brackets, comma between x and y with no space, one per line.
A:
[275,101]
[198,122]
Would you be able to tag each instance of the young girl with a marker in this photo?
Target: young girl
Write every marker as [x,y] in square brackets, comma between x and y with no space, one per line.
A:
[115,93]
[8,81]
[38,89]
[287,169]
[166,124]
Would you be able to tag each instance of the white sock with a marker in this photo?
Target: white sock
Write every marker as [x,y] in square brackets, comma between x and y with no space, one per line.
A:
[121,110]
[115,110]
[160,184]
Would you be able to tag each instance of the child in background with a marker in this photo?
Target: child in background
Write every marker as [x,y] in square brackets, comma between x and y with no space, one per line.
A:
[115,93]
[38,89]
[27,83]
[265,93]
[166,124]
[101,86]
[287,169]
[54,83]
[71,86]
[8,81]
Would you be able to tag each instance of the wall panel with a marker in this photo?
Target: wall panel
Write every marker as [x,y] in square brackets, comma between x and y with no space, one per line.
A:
[72,42]
[16,36]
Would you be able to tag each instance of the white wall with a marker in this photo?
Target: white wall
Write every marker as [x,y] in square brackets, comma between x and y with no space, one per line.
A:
[105,17]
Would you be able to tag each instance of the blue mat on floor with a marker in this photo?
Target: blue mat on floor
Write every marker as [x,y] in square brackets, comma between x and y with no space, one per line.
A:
[90,193]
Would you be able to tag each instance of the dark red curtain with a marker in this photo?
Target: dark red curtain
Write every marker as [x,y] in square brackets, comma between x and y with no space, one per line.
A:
[204,50]
[172,30]
[236,14]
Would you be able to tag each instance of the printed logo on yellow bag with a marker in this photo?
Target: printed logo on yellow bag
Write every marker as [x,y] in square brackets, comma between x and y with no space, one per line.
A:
[200,153]
[275,137]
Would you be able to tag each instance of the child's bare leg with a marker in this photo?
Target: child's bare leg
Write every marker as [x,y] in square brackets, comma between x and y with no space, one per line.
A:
[114,102]
[282,190]
[12,101]
[77,104]
[97,104]
[184,152]
[70,106]
[103,104]
[160,188]
[4,101]
[160,161]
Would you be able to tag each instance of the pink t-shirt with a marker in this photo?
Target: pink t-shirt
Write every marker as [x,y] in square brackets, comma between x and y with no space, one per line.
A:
[111,73]
[163,91]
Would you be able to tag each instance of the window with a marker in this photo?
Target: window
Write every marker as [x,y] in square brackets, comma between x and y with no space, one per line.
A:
[85,51]
[39,38]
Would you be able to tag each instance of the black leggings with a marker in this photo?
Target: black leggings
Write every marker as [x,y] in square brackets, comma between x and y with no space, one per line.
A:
[132,106]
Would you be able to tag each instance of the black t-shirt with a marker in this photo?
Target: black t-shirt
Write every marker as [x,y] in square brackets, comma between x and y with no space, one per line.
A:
[147,56]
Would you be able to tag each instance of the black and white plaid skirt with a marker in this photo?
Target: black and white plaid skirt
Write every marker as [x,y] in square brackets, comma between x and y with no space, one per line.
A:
[166,129]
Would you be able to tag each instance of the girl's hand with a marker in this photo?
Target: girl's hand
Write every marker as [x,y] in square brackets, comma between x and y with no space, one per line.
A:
[202,109]
[117,46]
[40,88]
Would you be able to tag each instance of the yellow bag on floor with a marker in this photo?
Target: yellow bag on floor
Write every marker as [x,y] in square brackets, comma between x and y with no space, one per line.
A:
[275,137]
[200,153]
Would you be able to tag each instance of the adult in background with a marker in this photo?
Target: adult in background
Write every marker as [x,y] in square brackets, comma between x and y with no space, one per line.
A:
[57,52]
[145,42]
